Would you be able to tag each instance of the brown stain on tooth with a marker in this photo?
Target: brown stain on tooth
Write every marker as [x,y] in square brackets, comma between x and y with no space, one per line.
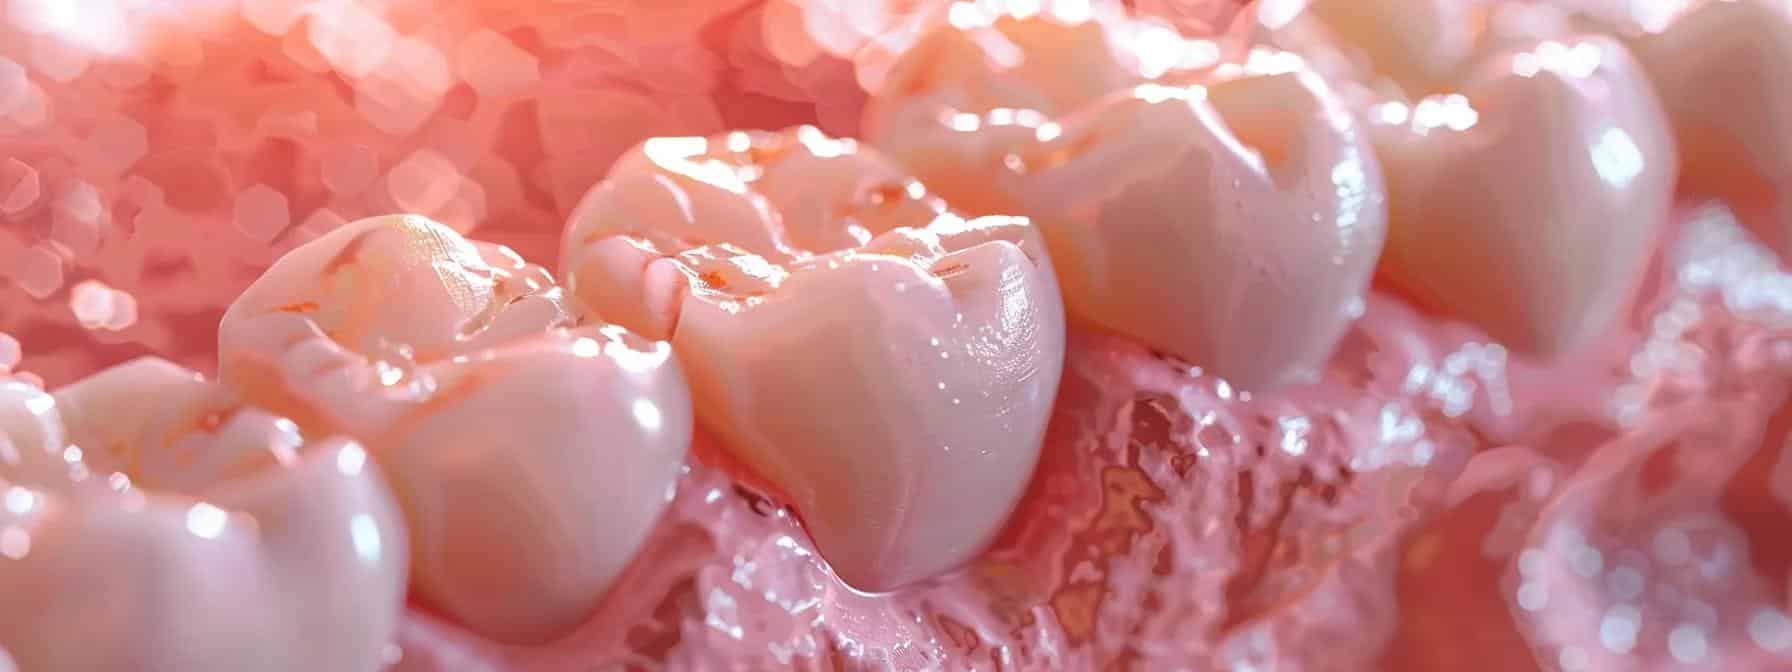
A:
[950,271]
[300,307]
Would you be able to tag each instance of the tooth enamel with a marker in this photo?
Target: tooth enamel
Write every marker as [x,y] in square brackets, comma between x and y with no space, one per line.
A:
[531,459]
[1527,197]
[895,388]
[1420,45]
[1235,225]
[1738,52]
[222,544]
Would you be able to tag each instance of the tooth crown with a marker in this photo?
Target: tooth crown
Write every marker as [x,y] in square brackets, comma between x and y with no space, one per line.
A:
[531,457]
[1530,172]
[1420,45]
[186,531]
[1738,52]
[946,379]
[1233,223]
[888,365]
[1260,212]
[1529,202]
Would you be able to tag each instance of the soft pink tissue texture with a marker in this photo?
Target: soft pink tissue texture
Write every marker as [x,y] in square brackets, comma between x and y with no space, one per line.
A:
[1430,501]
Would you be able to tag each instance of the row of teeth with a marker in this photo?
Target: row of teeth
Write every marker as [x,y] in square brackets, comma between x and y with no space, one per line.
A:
[877,337]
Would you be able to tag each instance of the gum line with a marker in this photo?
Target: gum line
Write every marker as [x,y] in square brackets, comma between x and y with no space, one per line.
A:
[1428,505]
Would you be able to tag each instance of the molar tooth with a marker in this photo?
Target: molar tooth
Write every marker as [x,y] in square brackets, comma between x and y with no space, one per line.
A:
[1529,202]
[1738,52]
[500,426]
[928,344]
[1233,223]
[1529,175]
[225,541]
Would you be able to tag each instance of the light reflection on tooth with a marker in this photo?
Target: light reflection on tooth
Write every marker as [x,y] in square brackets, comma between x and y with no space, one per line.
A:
[366,535]
[1393,113]
[1617,158]
[351,460]
[20,501]
[206,521]
[585,347]
[648,414]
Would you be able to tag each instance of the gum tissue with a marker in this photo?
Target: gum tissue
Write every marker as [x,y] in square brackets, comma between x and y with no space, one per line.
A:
[1428,503]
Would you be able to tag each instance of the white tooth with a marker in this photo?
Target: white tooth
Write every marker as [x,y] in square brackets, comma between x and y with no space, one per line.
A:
[895,389]
[1234,225]
[214,556]
[940,386]
[1724,73]
[500,427]
[1529,203]
[1419,44]
[1527,192]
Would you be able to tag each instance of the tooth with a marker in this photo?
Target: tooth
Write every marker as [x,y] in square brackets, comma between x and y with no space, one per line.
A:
[1235,225]
[1421,45]
[32,438]
[894,382]
[225,541]
[1013,71]
[1738,52]
[1528,201]
[1546,164]
[499,426]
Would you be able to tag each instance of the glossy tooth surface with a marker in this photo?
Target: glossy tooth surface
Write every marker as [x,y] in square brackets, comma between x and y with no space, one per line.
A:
[1724,73]
[888,365]
[1419,46]
[531,457]
[1234,224]
[1528,200]
[1692,51]
[153,522]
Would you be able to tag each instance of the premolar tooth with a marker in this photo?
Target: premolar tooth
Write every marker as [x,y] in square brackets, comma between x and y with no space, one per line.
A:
[1529,202]
[499,425]
[895,389]
[206,552]
[1233,224]
[1738,52]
